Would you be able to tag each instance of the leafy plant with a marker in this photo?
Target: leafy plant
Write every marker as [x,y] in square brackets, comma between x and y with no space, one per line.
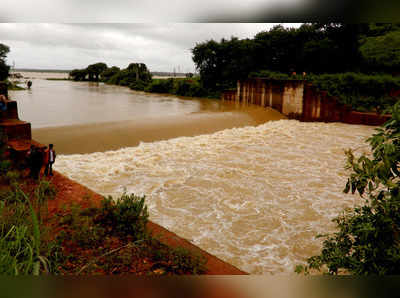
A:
[362,92]
[368,238]
[126,216]
[161,86]
[12,176]
[20,238]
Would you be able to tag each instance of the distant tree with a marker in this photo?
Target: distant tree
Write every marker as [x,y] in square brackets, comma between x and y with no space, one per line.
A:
[140,70]
[4,68]
[108,73]
[135,72]
[382,53]
[78,74]
[94,71]
[207,57]
[317,48]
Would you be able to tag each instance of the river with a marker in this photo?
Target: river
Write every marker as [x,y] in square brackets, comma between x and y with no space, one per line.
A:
[255,196]
[82,117]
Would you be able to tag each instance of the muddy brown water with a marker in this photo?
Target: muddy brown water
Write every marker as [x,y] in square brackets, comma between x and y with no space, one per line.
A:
[82,117]
[254,194]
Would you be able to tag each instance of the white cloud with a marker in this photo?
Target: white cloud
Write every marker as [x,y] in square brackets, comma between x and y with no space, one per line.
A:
[131,11]
[161,46]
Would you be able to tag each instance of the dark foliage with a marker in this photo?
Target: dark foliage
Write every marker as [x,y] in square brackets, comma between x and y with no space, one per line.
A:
[4,68]
[368,238]
[312,48]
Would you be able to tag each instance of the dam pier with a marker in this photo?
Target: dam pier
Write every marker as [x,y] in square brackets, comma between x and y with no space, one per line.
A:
[299,100]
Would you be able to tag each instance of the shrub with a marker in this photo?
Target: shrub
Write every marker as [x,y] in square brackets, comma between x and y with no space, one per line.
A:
[22,250]
[190,88]
[126,217]
[138,85]
[272,75]
[362,92]
[4,166]
[368,238]
[177,260]
[185,261]
[12,176]
[161,86]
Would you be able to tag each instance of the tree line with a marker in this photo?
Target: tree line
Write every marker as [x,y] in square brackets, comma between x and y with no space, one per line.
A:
[135,73]
[4,68]
[312,48]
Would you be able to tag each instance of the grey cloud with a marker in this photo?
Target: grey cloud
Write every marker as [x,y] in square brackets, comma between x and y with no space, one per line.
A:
[118,10]
[160,46]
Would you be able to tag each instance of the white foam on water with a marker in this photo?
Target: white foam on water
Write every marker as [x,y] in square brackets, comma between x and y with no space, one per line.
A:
[255,196]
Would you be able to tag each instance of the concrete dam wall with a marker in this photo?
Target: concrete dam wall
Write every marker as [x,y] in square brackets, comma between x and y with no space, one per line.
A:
[300,100]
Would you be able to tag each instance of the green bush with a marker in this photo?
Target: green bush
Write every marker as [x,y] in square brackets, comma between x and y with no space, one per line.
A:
[22,250]
[4,166]
[361,91]
[185,261]
[272,75]
[126,217]
[191,88]
[161,86]
[12,176]
[16,251]
[138,85]
[177,260]
[368,238]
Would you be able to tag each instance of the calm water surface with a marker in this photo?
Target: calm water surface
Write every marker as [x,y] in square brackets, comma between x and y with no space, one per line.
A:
[59,103]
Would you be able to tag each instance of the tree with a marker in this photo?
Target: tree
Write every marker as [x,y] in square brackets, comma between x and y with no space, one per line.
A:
[4,68]
[368,238]
[317,48]
[94,70]
[78,74]
[382,53]
[108,73]
[140,71]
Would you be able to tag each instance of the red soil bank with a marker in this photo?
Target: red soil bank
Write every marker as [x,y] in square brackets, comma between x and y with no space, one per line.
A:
[70,191]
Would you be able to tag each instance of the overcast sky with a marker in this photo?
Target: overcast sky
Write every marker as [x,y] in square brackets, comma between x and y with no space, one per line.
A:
[162,47]
[139,11]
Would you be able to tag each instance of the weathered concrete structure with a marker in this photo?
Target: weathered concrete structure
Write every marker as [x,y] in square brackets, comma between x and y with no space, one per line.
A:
[17,132]
[298,99]
[14,128]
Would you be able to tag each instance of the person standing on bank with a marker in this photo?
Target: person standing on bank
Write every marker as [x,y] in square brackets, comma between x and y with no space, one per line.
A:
[36,163]
[50,158]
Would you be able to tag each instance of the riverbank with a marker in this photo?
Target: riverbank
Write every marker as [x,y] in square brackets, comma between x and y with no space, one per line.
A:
[78,232]
[100,137]
[70,192]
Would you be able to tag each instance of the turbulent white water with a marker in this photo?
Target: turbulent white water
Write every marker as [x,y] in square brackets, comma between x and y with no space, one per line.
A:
[253,196]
